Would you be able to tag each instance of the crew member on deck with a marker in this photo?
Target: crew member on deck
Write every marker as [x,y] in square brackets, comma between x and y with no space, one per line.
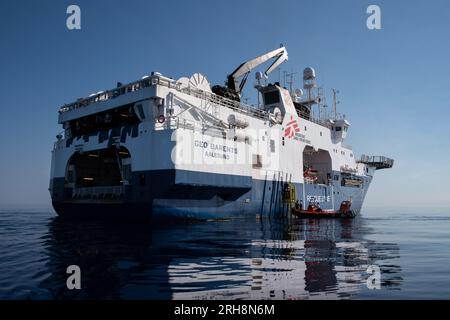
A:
[318,208]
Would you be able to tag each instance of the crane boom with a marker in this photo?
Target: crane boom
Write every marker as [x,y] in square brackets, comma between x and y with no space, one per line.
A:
[234,88]
[244,69]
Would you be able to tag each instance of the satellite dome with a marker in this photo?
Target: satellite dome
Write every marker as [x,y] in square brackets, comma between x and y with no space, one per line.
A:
[309,73]
[298,92]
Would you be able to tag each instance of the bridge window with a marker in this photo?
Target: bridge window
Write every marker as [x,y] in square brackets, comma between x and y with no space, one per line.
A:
[272,97]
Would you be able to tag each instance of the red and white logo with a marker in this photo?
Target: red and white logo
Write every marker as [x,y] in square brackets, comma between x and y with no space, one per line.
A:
[291,128]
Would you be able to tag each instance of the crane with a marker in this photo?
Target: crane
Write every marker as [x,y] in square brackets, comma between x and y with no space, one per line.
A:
[234,87]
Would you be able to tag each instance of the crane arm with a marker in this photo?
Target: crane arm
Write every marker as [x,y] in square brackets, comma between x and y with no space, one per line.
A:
[244,69]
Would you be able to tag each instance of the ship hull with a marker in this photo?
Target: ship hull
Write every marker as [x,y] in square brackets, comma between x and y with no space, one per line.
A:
[231,197]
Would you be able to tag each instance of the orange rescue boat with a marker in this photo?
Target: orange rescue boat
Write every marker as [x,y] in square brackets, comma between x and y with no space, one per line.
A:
[314,211]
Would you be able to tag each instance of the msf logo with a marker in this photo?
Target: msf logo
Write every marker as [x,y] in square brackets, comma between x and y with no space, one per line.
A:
[292,128]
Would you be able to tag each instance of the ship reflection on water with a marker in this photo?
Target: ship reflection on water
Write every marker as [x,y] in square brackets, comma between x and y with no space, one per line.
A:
[251,259]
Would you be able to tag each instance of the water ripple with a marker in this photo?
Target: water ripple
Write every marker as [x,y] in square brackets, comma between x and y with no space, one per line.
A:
[238,259]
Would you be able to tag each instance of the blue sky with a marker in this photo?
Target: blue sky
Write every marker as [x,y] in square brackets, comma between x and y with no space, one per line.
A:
[394,82]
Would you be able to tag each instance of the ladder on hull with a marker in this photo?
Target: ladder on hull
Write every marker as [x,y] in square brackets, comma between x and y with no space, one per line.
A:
[278,205]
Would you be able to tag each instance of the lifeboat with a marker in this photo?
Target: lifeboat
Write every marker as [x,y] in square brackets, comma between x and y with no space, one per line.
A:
[314,211]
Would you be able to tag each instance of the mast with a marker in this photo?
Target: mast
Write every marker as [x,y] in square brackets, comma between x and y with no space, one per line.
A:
[335,102]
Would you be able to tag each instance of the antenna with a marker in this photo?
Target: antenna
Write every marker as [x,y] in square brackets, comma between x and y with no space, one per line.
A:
[289,79]
[335,102]
[259,76]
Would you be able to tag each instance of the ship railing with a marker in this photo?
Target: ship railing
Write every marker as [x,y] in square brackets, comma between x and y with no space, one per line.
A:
[310,118]
[99,193]
[379,162]
[177,122]
[234,105]
[237,106]
[211,97]
[107,95]
[171,84]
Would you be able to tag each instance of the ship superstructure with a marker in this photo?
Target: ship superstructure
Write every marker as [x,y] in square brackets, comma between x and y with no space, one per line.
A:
[160,147]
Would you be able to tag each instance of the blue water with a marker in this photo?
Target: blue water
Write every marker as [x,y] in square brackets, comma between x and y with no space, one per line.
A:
[239,259]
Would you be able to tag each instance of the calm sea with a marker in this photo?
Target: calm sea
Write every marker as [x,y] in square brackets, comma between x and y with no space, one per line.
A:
[239,259]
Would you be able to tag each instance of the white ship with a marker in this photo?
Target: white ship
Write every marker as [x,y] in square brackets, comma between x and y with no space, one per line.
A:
[164,148]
